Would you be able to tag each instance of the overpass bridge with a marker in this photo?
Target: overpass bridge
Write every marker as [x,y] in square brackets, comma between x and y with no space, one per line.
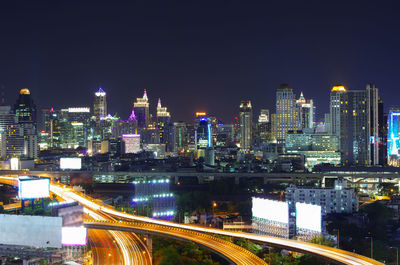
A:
[79,176]
[201,235]
[184,232]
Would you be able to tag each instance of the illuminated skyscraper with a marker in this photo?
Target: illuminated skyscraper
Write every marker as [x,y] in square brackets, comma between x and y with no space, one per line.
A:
[131,143]
[375,140]
[287,116]
[393,142]
[354,129]
[141,108]
[25,111]
[334,105]
[100,104]
[24,108]
[306,111]
[163,126]
[263,129]
[180,137]
[245,124]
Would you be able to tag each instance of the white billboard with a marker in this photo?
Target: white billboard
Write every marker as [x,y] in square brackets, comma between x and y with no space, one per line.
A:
[74,236]
[70,163]
[275,211]
[308,216]
[29,188]
[32,231]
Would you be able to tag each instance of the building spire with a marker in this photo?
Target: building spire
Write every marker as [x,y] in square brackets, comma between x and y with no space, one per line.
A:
[145,95]
[132,117]
[159,103]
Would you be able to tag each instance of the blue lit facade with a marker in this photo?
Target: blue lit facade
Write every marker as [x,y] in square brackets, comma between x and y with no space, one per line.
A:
[204,134]
[393,141]
[153,198]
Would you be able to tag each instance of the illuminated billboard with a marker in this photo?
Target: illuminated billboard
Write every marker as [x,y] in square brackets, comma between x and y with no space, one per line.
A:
[74,236]
[270,210]
[29,188]
[308,217]
[70,163]
[393,141]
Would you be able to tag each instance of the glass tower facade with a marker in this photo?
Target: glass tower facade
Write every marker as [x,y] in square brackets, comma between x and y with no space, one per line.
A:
[393,141]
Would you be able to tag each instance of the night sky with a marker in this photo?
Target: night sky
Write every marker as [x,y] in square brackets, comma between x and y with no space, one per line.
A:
[197,55]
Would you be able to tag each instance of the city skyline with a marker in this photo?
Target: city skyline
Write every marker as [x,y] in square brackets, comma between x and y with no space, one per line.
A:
[195,56]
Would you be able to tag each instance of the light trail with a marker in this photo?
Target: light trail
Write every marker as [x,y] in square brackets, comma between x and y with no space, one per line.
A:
[337,255]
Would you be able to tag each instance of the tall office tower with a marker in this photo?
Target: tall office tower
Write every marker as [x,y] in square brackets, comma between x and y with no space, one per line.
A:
[287,117]
[246,125]
[100,104]
[263,128]
[141,108]
[180,137]
[51,134]
[24,108]
[75,129]
[163,125]
[373,100]
[334,105]
[393,138]
[383,133]
[306,111]
[12,141]
[26,113]
[354,129]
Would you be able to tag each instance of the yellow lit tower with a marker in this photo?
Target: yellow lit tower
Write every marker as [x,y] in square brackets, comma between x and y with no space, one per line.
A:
[141,108]
[334,105]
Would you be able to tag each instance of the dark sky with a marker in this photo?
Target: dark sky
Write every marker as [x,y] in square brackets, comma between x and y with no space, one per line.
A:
[197,55]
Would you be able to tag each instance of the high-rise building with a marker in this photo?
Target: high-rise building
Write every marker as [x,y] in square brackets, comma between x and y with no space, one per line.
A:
[24,108]
[334,105]
[26,113]
[393,138]
[100,104]
[164,126]
[354,127]
[287,116]
[75,128]
[180,137]
[373,100]
[263,128]
[246,125]
[12,141]
[306,111]
[383,133]
[141,108]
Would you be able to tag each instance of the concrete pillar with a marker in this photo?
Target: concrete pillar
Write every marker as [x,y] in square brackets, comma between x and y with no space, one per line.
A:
[237,180]
[323,182]
[176,179]
[149,244]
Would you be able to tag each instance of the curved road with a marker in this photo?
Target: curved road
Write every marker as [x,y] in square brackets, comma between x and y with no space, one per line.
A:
[111,247]
[333,254]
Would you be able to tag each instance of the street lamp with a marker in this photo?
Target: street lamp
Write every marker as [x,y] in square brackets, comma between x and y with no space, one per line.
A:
[372,246]
[397,254]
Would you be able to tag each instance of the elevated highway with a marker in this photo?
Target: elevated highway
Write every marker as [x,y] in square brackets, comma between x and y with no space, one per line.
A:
[185,232]
[126,177]
[158,226]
